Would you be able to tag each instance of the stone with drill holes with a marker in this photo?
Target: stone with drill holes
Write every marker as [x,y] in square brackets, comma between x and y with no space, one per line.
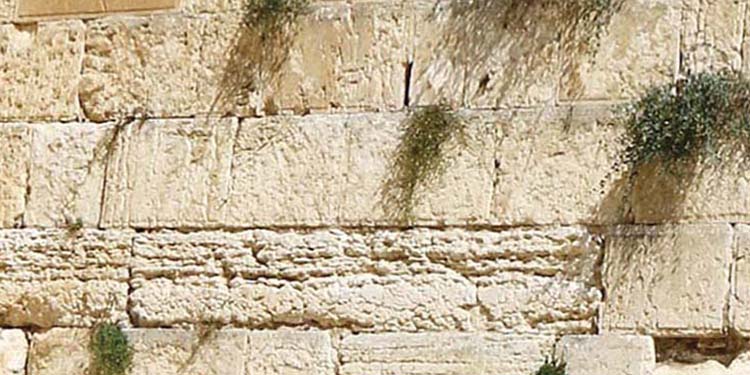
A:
[607,354]
[669,280]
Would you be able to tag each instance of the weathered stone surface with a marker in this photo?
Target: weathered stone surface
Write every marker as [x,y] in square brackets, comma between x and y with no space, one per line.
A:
[705,191]
[169,173]
[40,8]
[468,55]
[13,351]
[206,351]
[40,67]
[443,353]
[637,49]
[668,280]
[607,354]
[54,278]
[59,351]
[383,281]
[740,297]
[67,174]
[14,174]
[553,166]
[6,10]
[712,35]
[706,368]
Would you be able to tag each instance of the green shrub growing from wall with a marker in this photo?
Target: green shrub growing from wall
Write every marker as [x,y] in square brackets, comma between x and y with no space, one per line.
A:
[429,134]
[692,119]
[551,366]
[111,351]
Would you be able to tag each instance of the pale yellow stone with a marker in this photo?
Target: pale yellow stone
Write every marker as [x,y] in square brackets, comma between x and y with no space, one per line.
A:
[465,54]
[13,352]
[169,173]
[37,8]
[669,280]
[712,35]
[7,8]
[638,48]
[443,353]
[67,174]
[40,66]
[554,166]
[15,159]
[607,354]
[282,352]
[59,351]
[706,368]
[55,278]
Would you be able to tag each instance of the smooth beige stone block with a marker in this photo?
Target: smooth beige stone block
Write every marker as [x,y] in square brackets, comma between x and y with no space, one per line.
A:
[13,352]
[607,354]
[669,280]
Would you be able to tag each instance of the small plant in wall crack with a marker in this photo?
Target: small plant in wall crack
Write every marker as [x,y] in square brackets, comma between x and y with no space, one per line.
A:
[552,366]
[260,48]
[430,135]
[111,351]
[695,118]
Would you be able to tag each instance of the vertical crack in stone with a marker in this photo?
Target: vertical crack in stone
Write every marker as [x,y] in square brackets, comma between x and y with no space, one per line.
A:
[734,257]
[407,82]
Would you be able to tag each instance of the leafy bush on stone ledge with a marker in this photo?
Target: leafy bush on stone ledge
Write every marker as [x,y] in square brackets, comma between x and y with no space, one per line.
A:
[111,351]
[551,366]
[691,119]
[422,156]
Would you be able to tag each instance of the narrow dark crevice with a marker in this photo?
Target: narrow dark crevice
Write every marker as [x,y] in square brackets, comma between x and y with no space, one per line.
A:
[407,83]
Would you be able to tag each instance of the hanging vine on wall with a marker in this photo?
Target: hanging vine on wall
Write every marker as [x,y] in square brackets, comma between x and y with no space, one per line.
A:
[679,124]
[111,351]
[429,136]
[260,48]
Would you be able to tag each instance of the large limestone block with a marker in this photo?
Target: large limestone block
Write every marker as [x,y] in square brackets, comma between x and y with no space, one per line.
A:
[705,368]
[553,166]
[205,351]
[470,55]
[712,35]
[59,351]
[704,191]
[55,278]
[40,66]
[67,174]
[14,174]
[443,353]
[638,48]
[607,354]
[329,170]
[740,298]
[13,352]
[169,173]
[669,280]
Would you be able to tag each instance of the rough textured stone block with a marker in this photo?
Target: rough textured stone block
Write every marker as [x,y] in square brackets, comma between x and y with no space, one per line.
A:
[40,66]
[740,298]
[443,353]
[712,35]
[206,351]
[67,174]
[54,278]
[639,48]
[706,191]
[13,352]
[14,175]
[383,281]
[6,10]
[553,166]
[466,54]
[667,280]
[607,354]
[169,173]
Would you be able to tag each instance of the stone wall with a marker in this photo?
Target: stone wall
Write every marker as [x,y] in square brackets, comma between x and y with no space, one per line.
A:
[254,241]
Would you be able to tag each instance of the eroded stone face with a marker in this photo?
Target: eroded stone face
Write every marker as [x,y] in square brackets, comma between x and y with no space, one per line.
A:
[712,35]
[607,354]
[14,157]
[669,280]
[738,304]
[443,353]
[40,67]
[55,278]
[384,281]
